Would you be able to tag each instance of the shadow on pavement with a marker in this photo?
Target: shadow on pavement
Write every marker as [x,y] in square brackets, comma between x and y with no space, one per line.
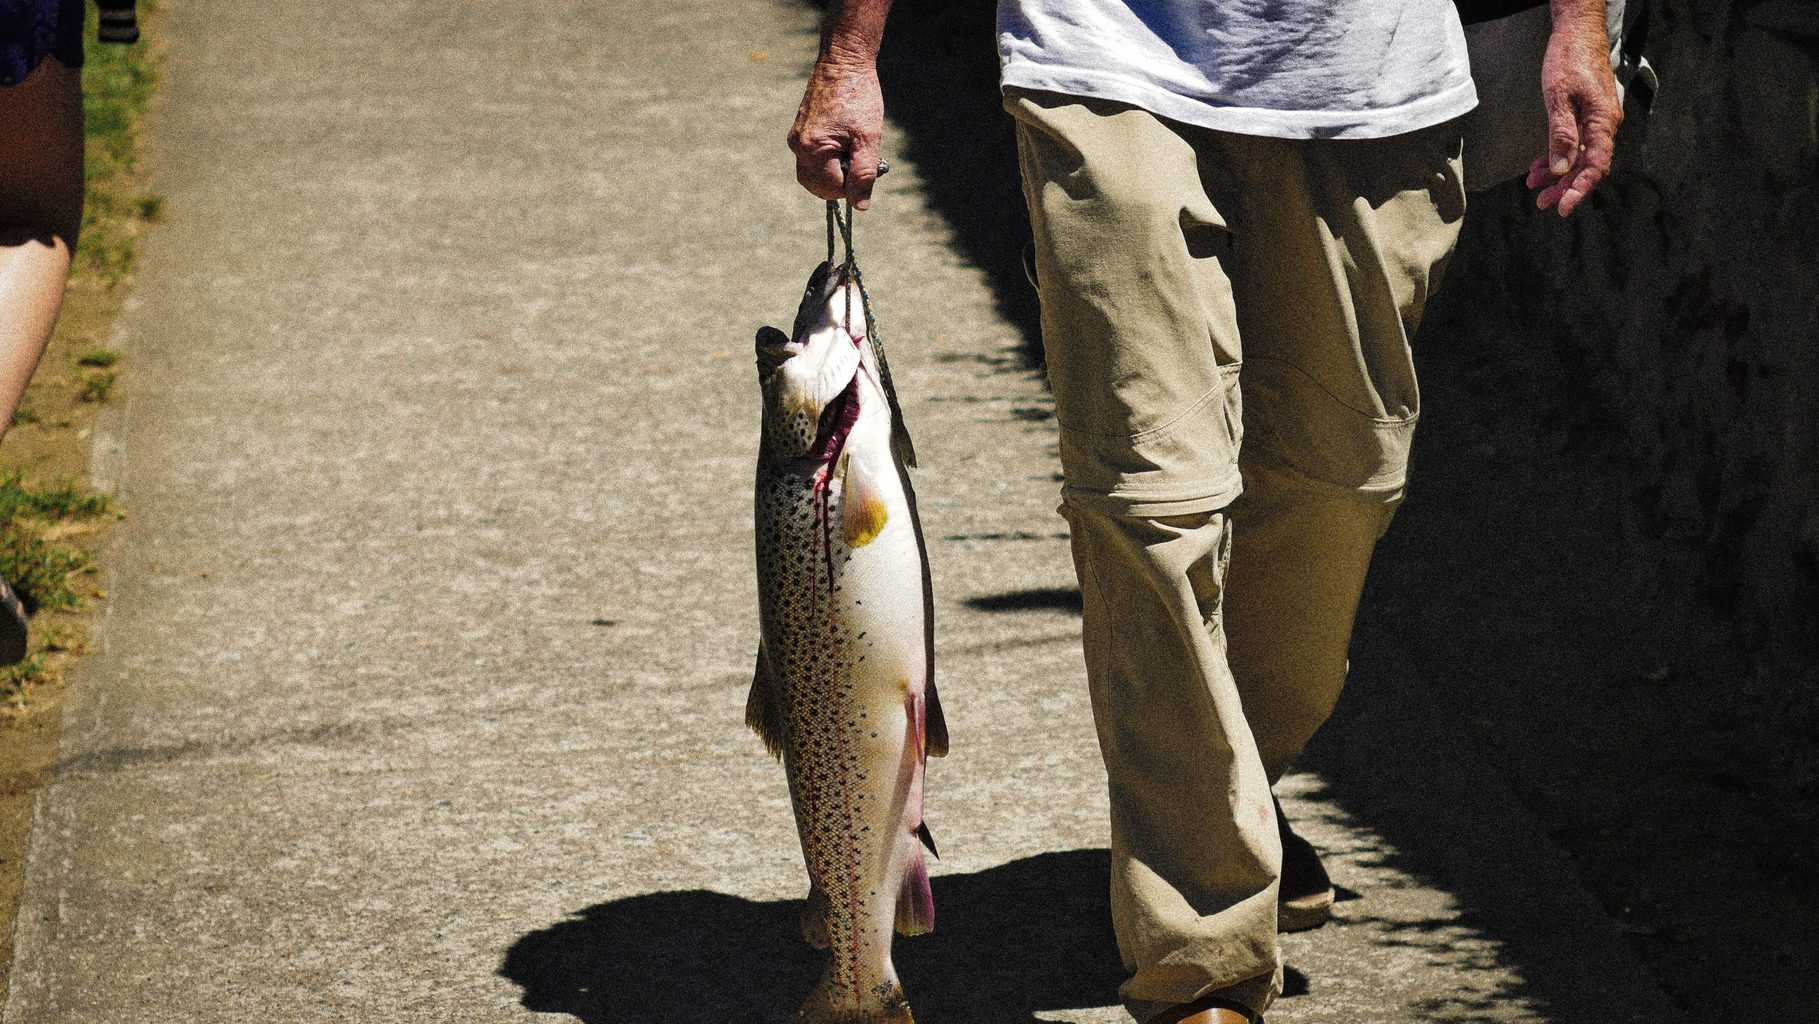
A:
[1040,599]
[1028,936]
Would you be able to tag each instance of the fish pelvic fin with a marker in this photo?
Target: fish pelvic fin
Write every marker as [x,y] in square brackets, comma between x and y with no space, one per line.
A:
[916,900]
[761,712]
[927,725]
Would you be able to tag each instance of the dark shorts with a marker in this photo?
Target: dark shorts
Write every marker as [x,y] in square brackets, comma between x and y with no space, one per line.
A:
[31,30]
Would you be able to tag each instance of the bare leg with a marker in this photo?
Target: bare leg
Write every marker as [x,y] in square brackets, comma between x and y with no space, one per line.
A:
[40,213]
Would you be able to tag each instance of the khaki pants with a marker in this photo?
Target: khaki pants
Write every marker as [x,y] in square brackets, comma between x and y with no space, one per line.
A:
[1220,582]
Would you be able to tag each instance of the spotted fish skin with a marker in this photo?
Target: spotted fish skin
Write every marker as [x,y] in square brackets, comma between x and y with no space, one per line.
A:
[843,691]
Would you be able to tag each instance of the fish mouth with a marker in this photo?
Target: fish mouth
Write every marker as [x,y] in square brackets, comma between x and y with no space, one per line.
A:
[825,280]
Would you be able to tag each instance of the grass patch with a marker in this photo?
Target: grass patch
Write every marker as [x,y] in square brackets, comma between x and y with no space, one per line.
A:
[117,83]
[16,679]
[64,501]
[102,357]
[97,387]
[39,572]
[38,566]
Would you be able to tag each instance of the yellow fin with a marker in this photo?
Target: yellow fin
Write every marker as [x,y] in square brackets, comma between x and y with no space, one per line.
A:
[862,511]
[864,520]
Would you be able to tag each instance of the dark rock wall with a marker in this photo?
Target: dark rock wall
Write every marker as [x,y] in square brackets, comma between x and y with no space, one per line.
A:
[1678,321]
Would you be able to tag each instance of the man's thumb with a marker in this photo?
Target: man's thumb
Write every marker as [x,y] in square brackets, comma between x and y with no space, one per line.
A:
[1562,133]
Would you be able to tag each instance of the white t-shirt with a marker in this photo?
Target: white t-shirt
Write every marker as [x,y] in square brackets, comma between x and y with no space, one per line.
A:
[1299,69]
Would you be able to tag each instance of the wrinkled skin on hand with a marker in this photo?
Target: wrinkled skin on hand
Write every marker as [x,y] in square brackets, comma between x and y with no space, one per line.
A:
[1583,113]
[840,120]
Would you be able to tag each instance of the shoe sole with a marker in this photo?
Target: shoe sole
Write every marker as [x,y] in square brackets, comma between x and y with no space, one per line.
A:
[1305,913]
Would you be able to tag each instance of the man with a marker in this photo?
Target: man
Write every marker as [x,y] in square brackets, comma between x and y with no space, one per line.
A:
[1210,182]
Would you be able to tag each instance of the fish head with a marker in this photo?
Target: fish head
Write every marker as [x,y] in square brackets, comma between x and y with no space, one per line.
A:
[809,380]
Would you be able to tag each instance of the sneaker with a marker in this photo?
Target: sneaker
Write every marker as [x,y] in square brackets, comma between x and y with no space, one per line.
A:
[12,627]
[1305,900]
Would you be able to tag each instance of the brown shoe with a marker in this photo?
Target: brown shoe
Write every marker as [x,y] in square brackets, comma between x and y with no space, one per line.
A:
[1305,900]
[1207,1010]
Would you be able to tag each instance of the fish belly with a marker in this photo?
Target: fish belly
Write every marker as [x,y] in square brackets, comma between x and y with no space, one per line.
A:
[843,637]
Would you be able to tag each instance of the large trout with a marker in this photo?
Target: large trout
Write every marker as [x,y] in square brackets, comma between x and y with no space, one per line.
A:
[844,691]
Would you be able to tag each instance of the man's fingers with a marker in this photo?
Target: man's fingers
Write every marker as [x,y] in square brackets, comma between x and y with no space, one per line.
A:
[829,174]
[1562,133]
[1580,187]
[1589,166]
[1538,173]
[1556,187]
[819,173]
[1600,140]
[1550,195]
[861,174]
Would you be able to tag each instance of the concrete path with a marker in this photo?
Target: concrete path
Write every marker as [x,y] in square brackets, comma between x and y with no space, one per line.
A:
[418,697]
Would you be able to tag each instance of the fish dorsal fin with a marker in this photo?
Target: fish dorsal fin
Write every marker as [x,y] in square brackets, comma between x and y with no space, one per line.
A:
[900,437]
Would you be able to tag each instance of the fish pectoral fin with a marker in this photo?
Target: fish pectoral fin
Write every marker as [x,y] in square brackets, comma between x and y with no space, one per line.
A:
[761,711]
[770,347]
[863,511]
[934,729]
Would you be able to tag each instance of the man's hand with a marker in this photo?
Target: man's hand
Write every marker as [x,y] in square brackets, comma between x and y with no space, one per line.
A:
[1583,111]
[839,122]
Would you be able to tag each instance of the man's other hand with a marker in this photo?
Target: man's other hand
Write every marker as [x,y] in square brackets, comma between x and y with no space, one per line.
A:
[839,122]
[1583,112]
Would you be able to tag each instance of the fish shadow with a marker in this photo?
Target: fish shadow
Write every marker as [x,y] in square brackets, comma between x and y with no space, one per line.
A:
[1031,935]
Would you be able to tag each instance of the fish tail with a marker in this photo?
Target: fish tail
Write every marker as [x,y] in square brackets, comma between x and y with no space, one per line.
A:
[916,900]
[884,1004]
